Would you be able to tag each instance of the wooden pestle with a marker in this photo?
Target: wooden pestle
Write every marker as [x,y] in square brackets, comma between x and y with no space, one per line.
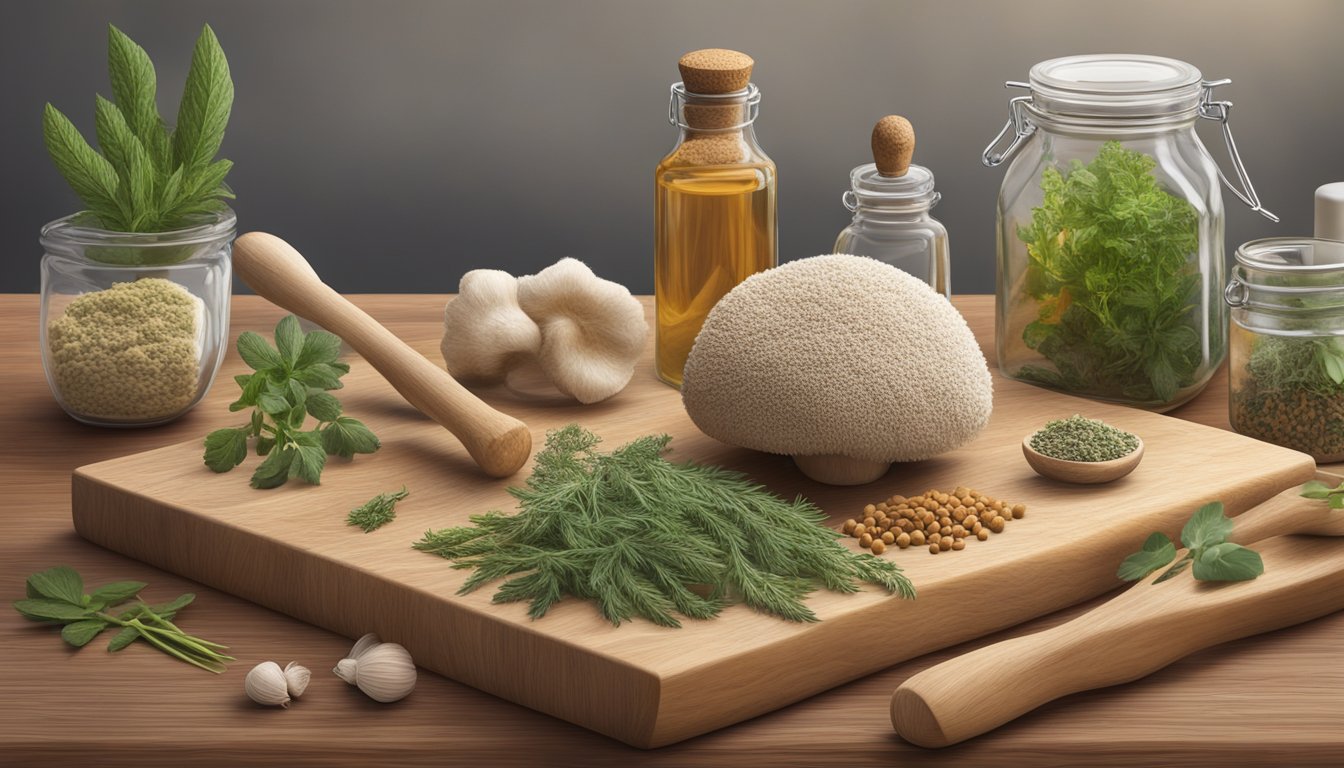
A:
[499,443]
[1139,632]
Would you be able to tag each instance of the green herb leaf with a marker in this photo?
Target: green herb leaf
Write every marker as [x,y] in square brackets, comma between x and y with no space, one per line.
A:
[257,353]
[376,512]
[346,436]
[1315,489]
[309,458]
[225,449]
[1176,569]
[289,339]
[1228,562]
[322,375]
[134,88]
[167,610]
[47,609]
[252,387]
[89,175]
[122,639]
[1208,526]
[1157,551]
[61,583]
[274,471]
[323,407]
[206,103]
[273,405]
[80,633]
[117,592]
[319,347]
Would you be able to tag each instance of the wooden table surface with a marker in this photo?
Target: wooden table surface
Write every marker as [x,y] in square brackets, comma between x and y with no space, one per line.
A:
[1276,700]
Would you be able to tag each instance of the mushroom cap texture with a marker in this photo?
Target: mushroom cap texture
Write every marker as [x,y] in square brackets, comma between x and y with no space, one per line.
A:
[592,330]
[838,355]
[485,332]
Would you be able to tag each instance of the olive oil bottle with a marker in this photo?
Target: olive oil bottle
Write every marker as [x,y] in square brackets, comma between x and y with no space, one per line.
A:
[715,201]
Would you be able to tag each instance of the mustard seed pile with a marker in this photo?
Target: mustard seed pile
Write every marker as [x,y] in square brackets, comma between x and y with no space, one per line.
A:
[128,352]
[940,521]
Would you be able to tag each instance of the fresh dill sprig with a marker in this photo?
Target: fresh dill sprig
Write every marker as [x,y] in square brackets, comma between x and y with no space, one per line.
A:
[378,511]
[643,537]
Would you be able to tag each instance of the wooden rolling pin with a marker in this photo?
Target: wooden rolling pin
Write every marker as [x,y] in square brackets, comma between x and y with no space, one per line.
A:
[499,443]
[1139,632]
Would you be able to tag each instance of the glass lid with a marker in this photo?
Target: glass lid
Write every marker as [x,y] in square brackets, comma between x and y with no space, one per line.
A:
[916,185]
[1104,84]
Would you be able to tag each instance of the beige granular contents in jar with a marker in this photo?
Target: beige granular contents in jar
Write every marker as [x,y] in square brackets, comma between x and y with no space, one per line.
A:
[128,352]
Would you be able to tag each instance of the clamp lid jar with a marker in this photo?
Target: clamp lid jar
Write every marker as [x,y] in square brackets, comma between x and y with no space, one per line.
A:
[1110,241]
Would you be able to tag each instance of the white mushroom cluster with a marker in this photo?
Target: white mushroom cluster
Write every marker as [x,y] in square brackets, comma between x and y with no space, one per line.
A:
[585,333]
[843,362]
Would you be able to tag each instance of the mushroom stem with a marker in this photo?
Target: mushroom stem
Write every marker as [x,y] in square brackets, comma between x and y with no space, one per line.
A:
[834,469]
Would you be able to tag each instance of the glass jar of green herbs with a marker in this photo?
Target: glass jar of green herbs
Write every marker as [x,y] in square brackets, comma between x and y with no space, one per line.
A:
[1286,368]
[1110,244]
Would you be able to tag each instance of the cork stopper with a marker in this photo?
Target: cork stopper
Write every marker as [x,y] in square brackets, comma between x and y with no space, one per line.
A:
[893,145]
[715,70]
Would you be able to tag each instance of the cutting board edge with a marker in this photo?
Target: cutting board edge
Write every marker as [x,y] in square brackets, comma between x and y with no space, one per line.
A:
[631,721]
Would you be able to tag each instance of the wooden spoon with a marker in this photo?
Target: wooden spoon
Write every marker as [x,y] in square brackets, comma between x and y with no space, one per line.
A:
[1084,472]
[499,443]
[1139,632]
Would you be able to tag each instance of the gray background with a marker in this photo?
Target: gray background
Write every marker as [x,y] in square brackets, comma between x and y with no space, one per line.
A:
[399,144]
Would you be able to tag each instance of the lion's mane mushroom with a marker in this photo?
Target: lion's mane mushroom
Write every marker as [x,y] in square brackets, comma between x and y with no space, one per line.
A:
[584,333]
[842,362]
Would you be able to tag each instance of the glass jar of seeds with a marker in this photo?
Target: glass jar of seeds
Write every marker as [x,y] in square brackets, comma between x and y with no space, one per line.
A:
[134,325]
[1286,374]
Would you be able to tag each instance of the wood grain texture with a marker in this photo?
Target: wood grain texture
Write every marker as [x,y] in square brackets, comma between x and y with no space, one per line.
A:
[1133,635]
[1276,697]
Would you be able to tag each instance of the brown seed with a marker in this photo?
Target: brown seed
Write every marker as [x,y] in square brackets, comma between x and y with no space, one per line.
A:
[917,538]
[879,547]
[958,532]
[934,549]
[888,537]
[870,509]
[945,543]
[1019,510]
[849,525]
[866,540]
[869,522]
[946,530]
[970,521]
[859,530]
[996,525]
[903,540]
[959,545]
[981,534]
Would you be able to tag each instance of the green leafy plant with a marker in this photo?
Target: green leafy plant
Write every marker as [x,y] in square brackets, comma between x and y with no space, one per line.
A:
[148,178]
[1315,489]
[636,534]
[376,512]
[288,384]
[1212,556]
[1108,263]
[1292,393]
[56,595]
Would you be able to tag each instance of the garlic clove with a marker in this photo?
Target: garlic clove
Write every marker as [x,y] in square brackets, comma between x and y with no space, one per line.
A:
[266,684]
[363,644]
[383,671]
[296,678]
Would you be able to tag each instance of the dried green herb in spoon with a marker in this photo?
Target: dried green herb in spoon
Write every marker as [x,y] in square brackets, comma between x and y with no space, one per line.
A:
[1081,439]
[635,533]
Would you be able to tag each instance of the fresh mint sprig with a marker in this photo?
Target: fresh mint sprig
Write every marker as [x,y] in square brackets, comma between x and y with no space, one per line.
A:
[1211,556]
[148,178]
[289,383]
[57,595]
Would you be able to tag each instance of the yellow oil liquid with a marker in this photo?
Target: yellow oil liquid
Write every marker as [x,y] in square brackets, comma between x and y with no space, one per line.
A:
[715,227]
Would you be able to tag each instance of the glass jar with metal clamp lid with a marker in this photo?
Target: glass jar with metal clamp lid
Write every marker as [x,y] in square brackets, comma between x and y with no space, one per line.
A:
[1110,230]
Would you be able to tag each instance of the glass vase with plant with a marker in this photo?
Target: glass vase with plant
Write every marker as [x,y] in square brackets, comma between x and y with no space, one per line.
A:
[135,287]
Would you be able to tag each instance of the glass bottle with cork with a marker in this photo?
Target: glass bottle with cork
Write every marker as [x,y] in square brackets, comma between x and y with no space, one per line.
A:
[890,199]
[714,214]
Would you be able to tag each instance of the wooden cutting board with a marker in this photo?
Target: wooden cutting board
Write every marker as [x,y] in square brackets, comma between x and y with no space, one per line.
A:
[290,549]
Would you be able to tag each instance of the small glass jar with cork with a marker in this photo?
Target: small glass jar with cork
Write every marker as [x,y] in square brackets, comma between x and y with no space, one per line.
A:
[714,209]
[890,199]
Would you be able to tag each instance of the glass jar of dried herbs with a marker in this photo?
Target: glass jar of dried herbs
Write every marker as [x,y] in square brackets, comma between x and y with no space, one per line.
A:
[1286,369]
[1110,245]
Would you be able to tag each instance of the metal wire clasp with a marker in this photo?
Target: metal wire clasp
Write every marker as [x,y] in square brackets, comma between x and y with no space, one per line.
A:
[1017,123]
[1220,111]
